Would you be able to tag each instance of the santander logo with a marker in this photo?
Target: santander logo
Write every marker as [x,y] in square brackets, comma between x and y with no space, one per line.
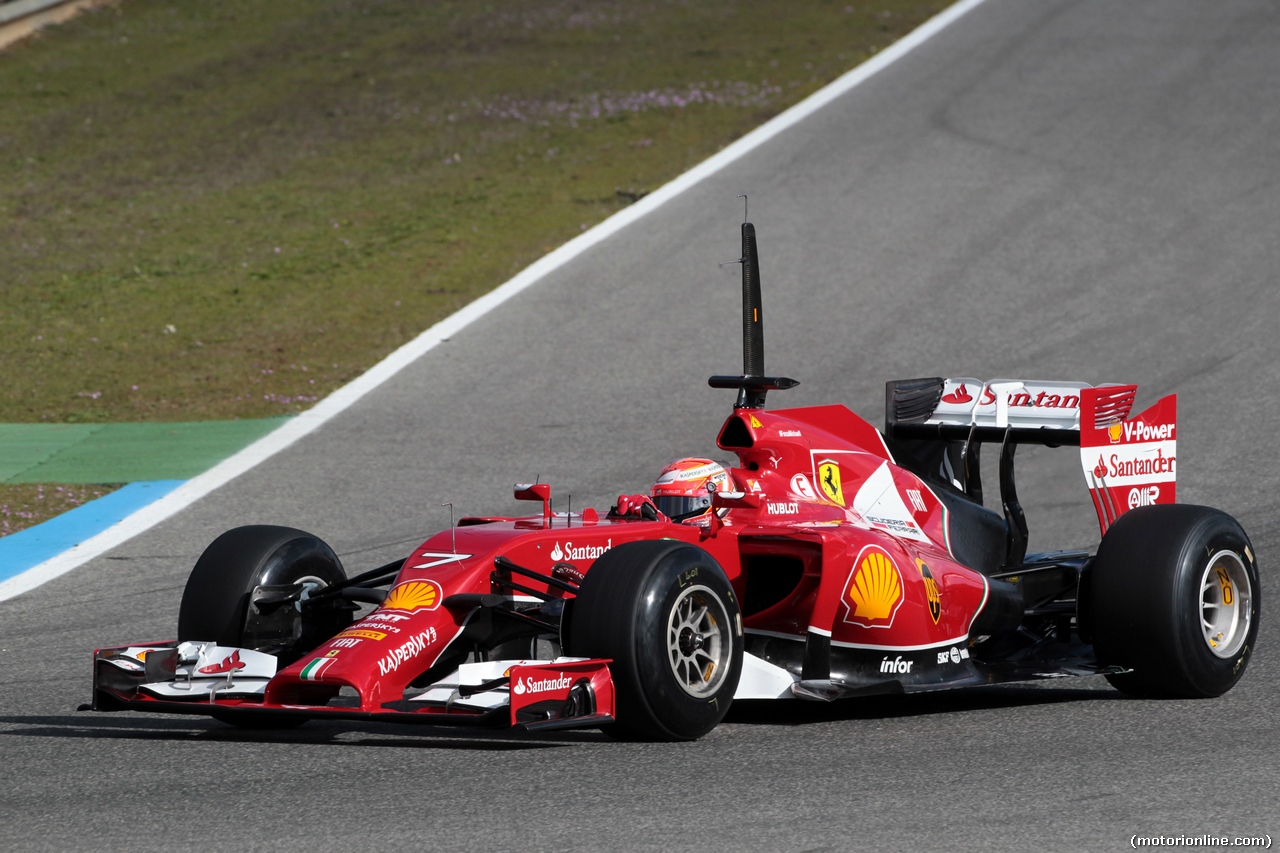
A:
[582,552]
[528,685]
[1026,398]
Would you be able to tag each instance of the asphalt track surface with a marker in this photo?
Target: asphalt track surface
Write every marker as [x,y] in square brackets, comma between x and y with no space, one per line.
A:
[1048,189]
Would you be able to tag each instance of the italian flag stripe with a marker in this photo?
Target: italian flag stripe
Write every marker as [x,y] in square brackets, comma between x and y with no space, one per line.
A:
[311,671]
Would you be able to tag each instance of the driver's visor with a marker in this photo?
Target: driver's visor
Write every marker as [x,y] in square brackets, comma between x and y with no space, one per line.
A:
[680,507]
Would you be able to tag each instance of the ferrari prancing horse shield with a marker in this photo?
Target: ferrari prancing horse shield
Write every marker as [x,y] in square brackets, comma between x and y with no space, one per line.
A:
[829,481]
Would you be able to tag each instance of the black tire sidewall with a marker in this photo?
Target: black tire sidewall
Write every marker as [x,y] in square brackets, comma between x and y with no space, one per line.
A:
[1208,674]
[1145,597]
[677,710]
[622,612]
[216,598]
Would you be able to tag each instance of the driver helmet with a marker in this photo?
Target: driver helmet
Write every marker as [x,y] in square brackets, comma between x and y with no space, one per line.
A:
[681,490]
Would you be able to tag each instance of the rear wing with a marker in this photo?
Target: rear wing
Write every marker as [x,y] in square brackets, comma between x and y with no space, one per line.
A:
[1127,462]
[1002,410]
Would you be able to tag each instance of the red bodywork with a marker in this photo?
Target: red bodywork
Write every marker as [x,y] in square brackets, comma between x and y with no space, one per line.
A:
[886,583]
[819,492]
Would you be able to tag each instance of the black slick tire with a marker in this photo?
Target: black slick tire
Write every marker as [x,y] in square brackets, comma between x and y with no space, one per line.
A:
[215,601]
[666,615]
[1174,596]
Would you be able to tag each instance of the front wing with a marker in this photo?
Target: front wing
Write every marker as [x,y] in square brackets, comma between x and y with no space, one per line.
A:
[229,683]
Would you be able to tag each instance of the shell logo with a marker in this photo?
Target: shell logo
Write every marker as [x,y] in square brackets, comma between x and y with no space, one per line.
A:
[874,589]
[413,595]
[1113,432]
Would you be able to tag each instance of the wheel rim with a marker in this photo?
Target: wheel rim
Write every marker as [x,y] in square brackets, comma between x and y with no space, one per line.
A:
[1226,604]
[698,641]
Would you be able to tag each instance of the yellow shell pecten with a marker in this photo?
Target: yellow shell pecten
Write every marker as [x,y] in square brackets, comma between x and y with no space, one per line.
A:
[412,595]
[876,588]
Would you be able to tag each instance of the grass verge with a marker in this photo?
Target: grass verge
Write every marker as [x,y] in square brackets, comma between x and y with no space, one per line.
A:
[212,211]
[222,210]
[27,505]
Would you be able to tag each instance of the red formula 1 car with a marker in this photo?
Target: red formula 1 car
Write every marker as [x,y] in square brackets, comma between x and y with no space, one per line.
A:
[834,561]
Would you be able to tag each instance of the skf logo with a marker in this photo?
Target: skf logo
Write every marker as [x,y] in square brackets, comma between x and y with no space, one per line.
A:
[930,591]
[874,589]
[829,481]
[1113,433]
[413,595]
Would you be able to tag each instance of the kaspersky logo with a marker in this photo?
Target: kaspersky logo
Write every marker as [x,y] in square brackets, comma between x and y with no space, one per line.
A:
[406,651]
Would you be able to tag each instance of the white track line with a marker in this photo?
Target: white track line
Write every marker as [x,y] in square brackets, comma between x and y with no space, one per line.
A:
[338,402]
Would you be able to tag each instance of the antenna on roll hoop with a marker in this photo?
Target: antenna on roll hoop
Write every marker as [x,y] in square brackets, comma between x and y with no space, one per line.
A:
[752,385]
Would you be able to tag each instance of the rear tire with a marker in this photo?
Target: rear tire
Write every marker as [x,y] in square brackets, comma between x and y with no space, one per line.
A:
[1175,597]
[665,614]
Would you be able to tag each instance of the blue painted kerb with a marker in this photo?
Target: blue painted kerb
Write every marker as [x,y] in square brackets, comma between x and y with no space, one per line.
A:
[31,547]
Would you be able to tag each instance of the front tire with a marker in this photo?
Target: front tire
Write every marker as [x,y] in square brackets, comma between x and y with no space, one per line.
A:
[1175,598]
[216,602]
[665,614]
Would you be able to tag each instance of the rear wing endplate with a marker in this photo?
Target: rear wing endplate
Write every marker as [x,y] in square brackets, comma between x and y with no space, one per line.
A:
[1127,463]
